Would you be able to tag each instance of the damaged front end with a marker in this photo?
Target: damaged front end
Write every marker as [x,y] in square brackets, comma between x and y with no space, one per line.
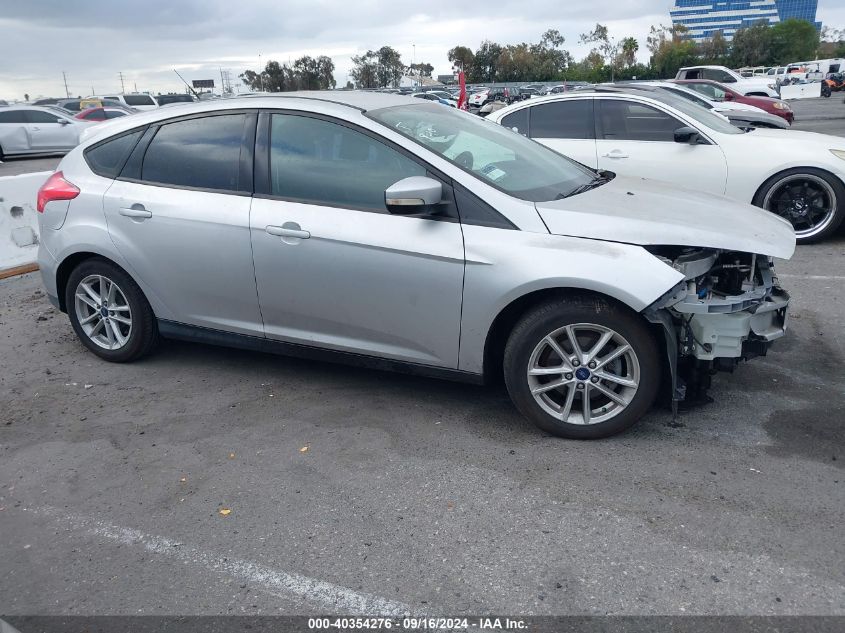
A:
[728,308]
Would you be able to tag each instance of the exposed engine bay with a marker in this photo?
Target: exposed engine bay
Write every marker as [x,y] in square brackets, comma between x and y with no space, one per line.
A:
[728,308]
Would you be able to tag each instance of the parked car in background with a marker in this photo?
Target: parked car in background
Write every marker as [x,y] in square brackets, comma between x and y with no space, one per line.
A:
[751,86]
[567,87]
[431,96]
[168,99]
[78,105]
[139,101]
[37,130]
[103,113]
[722,93]
[798,176]
[540,88]
[444,95]
[739,114]
[394,233]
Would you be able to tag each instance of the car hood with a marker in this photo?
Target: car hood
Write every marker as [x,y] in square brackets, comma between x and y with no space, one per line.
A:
[648,212]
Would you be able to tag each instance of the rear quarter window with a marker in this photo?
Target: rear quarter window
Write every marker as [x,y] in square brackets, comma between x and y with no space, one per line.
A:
[107,158]
[139,100]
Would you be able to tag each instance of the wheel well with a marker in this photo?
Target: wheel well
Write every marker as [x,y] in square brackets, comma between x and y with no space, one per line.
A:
[65,269]
[756,94]
[503,324]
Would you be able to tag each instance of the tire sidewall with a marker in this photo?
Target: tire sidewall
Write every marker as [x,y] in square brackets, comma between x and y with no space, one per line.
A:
[140,310]
[833,181]
[538,324]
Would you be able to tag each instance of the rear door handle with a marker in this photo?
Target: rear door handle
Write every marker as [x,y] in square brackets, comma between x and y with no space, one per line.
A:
[288,231]
[135,211]
[615,154]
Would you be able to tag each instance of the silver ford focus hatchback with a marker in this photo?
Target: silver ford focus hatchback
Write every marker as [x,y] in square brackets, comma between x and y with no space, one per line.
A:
[390,232]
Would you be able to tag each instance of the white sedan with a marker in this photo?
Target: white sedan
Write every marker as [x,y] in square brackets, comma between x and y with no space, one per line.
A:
[38,130]
[799,176]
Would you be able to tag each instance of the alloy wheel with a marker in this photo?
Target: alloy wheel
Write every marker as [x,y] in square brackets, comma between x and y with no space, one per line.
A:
[806,201]
[583,373]
[103,312]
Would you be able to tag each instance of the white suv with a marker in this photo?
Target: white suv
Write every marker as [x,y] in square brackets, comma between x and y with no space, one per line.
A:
[749,86]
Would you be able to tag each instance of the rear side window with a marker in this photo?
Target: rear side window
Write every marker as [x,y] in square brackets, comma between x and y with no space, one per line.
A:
[203,153]
[107,158]
[518,121]
[13,116]
[37,116]
[138,100]
[563,119]
[95,115]
[629,121]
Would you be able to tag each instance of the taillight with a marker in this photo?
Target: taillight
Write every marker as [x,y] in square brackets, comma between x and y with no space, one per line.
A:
[56,188]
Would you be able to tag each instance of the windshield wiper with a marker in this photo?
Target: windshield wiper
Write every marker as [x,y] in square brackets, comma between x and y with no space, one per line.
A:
[598,181]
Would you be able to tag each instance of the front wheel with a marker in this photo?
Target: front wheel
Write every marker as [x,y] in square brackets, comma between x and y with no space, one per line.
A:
[811,200]
[582,367]
[109,312]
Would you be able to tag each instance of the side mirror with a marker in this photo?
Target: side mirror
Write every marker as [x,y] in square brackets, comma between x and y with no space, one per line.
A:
[62,121]
[416,194]
[728,97]
[687,135]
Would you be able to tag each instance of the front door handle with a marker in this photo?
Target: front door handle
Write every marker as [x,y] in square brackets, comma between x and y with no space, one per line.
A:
[616,154]
[136,211]
[290,229]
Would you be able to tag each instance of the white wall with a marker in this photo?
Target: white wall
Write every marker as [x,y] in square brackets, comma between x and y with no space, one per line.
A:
[18,218]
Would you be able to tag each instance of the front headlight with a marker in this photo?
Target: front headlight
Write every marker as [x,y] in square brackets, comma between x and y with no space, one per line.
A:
[839,153]
[780,105]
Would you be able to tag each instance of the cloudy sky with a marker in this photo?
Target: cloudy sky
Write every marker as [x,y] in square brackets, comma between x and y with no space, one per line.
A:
[94,40]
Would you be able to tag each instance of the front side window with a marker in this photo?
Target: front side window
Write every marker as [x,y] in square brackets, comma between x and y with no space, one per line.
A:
[203,153]
[113,114]
[492,153]
[571,119]
[95,115]
[631,121]
[321,162]
[719,75]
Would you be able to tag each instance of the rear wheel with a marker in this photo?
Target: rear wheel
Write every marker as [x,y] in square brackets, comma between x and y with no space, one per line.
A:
[109,313]
[582,368]
[811,200]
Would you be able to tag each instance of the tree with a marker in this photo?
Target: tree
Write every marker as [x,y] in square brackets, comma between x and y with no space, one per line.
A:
[26,96]
[485,62]
[550,60]
[753,46]
[794,40]
[306,73]
[420,70]
[608,48]
[628,53]
[364,70]
[377,69]
[462,58]
[715,49]
[832,43]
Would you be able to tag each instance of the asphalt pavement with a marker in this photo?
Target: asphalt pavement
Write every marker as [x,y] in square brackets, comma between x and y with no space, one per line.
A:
[205,480]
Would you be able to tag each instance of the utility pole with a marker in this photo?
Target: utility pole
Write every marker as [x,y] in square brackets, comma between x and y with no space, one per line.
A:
[260,73]
[67,92]
[122,87]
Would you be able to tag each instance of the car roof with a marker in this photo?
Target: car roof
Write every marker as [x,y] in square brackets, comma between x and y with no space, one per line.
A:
[332,102]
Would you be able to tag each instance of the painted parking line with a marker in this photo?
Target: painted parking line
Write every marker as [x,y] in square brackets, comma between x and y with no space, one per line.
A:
[816,277]
[335,598]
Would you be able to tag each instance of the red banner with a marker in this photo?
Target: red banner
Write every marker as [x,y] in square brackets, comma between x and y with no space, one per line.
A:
[462,97]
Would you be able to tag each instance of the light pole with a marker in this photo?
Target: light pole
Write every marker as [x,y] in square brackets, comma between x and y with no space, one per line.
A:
[260,73]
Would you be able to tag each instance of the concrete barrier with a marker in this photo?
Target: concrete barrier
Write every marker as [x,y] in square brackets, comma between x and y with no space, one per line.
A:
[18,219]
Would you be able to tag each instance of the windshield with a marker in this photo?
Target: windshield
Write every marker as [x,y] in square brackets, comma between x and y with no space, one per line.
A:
[494,154]
[698,113]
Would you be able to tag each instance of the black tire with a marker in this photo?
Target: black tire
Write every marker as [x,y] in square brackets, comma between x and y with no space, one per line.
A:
[802,234]
[143,335]
[531,331]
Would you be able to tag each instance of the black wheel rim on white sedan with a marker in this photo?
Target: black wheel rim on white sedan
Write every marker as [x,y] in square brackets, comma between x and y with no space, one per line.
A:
[583,373]
[805,201]
[103,312]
